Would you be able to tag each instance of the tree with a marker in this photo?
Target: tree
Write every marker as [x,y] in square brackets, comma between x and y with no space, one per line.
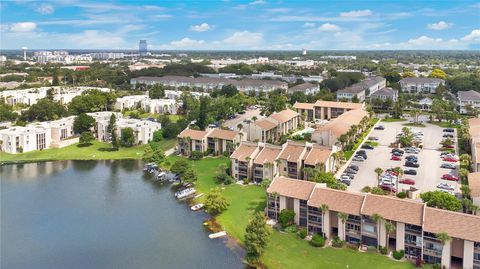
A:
[114,140]
[343,217]
[157,136]
[180,167]
[44,110]
[127,137]
[92,101]
[323,208]
[408,74]
[467,159]
[286,218]
[379,172]
[215,203]
[55,80]
[441,200]
[156,92]
[153,154]
[202,117]
[86,138]
[189,176]
[438,73]
[83,123]
[377,218]
[389,229]
[111,123]
[256,237]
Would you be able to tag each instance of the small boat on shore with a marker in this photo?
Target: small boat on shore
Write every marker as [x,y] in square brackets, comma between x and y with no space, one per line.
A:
[196,207]
[185,193]
[217,235]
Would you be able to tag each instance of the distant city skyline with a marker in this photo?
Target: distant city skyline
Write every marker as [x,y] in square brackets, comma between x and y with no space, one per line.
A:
[241,25]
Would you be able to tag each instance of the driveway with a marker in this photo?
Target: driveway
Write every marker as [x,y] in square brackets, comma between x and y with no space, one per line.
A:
[249,113]
[428,174]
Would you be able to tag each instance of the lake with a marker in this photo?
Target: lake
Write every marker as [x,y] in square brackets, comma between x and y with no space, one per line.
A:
[100,214]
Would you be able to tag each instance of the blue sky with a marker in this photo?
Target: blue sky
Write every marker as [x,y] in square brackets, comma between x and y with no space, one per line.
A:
[250,25]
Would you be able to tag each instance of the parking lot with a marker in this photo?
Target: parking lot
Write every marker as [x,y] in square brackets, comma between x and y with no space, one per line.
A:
[428,174]
[239,118]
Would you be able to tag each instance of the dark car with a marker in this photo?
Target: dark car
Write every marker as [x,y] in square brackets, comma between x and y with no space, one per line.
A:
[398,150]
[367,146]
[412,164]
[410,172]
[354,167]
[412,158]
[449,130]
[448,135]
[361,155]
[241,112]
[379,127]
[397,154]
[350,171]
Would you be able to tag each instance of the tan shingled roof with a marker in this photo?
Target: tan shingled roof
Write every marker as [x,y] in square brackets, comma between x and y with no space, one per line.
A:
[292,152]
[336,200]
[266,124]
[474,127]
[477,152]
[222,134]
[299,189]
[317,155]
[334,104]
[268,154]
[393,208]
[284,115]
[474,183]
[459,225]
[246,149]
[193,134]
[298,105]
[343,123]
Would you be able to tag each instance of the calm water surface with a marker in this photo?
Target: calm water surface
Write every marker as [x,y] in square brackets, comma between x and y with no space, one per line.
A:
[100,214]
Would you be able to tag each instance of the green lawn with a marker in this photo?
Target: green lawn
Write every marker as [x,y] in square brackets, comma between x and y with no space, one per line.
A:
[286,251]
[444,124]
[413,124]
[97,151]
[393,120]
[174,118]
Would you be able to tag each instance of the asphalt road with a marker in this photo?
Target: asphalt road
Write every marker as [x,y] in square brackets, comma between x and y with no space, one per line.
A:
[249,113]
[428,174]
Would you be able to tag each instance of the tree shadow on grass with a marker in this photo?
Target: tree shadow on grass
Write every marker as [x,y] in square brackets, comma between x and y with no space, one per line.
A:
[84,145]
[108,149]
[256,206]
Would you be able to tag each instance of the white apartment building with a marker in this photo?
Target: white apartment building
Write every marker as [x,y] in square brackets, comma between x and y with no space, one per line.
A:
[158,106]
[31,96]
[420,85]
[468,98]
[362,89]
[142,129]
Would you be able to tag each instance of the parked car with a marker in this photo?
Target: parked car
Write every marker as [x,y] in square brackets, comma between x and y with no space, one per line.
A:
[367,146]
[350,171]
[397,150]
[364,155]
[391,172]
[410,172]
[345,177]
[379,127]
[448,166]
[445,186]
[358,158]
[395,158]
[449,130]
[412,150]
[447,135]
[412,158]
[407,181]
[450,159]
[450,177]
[241,112]
[354,167]
[387,187]
[346,181]
[373,138]
[412,164]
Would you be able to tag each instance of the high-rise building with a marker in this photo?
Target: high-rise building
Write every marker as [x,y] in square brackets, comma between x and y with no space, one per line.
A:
[142,47]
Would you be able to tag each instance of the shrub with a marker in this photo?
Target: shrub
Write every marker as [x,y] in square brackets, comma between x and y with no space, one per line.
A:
[286,218]
[398,254]
[379,191]
[383,250]
[291,229]
[402,195]
[337,242]
[317,241]
[367,189]
[246,181]
[208,152]
[302,233]
[196,155]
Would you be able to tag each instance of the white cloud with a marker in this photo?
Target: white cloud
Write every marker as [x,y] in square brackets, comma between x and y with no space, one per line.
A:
[201,27]
[257,2]
[425,42]
[45,9]
[187,43]
[244,39]
[441,25]
[356,13]
[309,25]
[473,36]
[23,27]
[328,27]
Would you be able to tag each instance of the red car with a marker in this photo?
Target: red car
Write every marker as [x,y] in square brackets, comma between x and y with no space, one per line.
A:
[387,187]
[450,177]
[407,181]
[450,159]
[451,147]
[395,158]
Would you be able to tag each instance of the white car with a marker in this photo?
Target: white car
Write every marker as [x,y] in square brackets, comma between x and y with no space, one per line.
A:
[387,181]
[344,178]
[445,186]
[447,191]
[358,159]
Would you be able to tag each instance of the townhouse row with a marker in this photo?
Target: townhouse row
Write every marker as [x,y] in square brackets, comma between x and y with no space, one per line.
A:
[259,161]
[360,219]
[474,131]
[273,127]
[153,106]
[325,110]
[59,133]
[362,89]
[213,140]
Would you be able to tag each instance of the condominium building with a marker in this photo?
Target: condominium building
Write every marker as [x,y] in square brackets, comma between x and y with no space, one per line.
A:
[329,133]
[352,217]
[474,131]
[385,94]
[474,185]
[270,129]
[259,161]
[215,140]
[468,100]
[153,106]
[325,110]
[362,89]
[306,88]
[142,129]
[420,85]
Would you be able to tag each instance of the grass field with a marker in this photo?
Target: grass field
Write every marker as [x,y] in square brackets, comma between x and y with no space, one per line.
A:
[413,124]
[97,151]
[286,251]
[393,120]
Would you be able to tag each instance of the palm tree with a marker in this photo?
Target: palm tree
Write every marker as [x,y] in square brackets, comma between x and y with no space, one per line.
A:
[323,208]
[474,209]
[254,118]
[379,172]
[467,159]
[389,229]
[343,139]
[377,218]
[444,238]
[240,126]
[343,217]
[399,172]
